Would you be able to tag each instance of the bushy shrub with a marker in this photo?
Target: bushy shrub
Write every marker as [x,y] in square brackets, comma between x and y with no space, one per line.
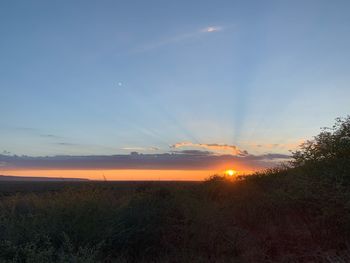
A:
[332,143]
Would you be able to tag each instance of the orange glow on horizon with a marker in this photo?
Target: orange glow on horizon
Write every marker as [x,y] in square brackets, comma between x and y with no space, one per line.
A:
[129,174]
[126,174]
[122,175]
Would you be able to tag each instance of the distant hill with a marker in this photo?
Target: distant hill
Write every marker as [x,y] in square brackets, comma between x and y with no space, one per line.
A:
[38,179]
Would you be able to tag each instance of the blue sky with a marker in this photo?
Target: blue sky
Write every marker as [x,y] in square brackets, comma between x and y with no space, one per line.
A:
[112,77]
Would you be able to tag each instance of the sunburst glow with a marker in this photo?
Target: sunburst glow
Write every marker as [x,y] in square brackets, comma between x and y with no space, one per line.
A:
[230,172]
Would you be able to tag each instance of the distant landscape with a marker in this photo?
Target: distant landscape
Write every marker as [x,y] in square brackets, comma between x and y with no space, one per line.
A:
[34,179]
[297,212]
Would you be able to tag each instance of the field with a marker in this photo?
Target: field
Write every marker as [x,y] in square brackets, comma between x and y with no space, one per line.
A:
[271,217]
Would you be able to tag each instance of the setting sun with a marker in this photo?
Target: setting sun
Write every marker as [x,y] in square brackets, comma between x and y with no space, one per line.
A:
[230,172]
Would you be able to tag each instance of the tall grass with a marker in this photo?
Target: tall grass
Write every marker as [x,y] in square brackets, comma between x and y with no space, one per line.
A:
[267,217]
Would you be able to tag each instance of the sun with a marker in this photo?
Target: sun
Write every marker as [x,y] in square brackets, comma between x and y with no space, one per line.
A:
[230,172]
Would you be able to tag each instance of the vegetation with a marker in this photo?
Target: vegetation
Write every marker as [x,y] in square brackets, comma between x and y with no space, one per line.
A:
[296,213]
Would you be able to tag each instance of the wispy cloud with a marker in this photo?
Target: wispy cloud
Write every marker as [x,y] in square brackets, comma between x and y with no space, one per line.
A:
[67,144]
[178,38]
[211,29]
[275,146]
[152,148]
[232,149]
[194,152]
[51,136]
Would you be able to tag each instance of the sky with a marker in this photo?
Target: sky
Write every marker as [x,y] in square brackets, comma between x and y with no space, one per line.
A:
[197,86]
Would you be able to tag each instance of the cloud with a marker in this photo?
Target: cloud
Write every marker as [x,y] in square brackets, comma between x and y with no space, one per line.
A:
[276,146]
[184,160]
[211,29]
[67,144]
[50,136]
[178,38]
[30,131]
[24,129]
[234,150]
[193,152]
[269,156]
[152,148]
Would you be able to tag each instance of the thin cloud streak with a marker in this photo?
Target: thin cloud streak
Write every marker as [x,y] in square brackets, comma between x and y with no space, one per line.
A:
[178,38]
[234,150]
[275,146]
[152,148]
[210,29]
[51,136]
